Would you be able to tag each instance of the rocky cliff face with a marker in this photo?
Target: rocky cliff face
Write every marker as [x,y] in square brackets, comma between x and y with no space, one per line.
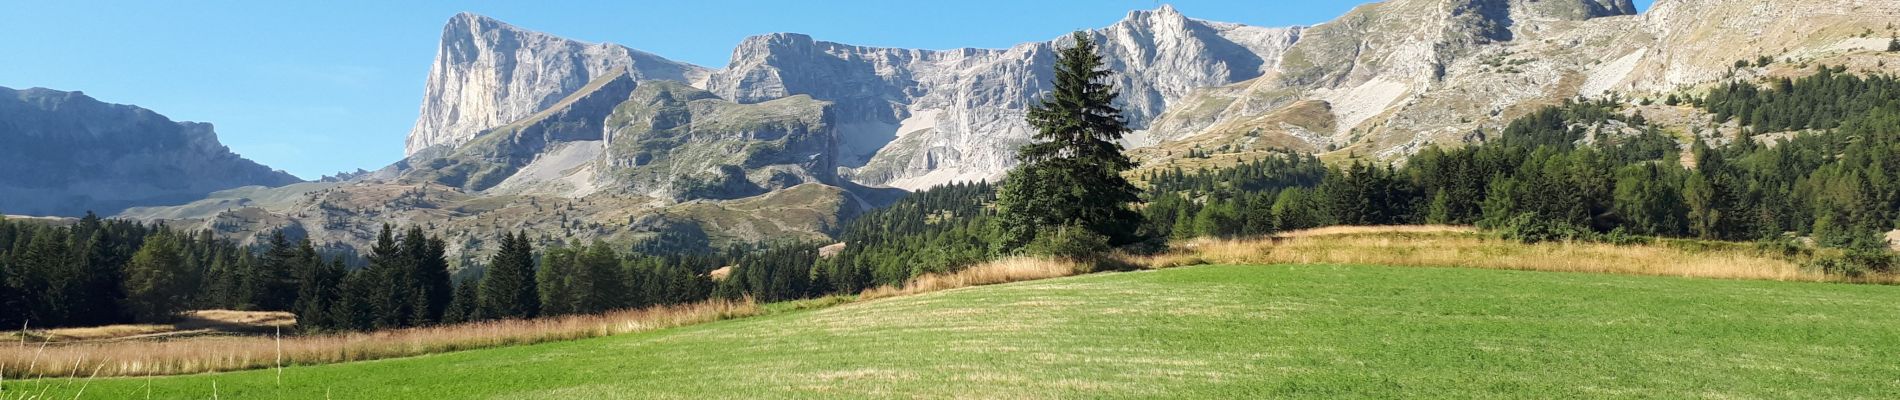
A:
[913,118]
[488,73]
[906,118]
[1391,76]
[65,153]
[497,154]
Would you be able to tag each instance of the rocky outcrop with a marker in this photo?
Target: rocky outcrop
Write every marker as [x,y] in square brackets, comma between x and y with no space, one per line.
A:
[488,73]
[65,153]
[675,142]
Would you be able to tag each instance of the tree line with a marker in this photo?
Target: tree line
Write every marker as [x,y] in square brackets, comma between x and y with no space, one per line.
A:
[99,272]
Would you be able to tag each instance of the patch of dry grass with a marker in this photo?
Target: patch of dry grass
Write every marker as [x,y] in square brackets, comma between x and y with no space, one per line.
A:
[1015,269]
[1443,246]
[210,354]
[199,322]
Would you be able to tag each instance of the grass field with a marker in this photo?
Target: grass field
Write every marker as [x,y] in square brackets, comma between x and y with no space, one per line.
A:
[1212,331]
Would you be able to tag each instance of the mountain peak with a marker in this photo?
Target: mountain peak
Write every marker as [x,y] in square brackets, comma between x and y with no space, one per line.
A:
[1166,14]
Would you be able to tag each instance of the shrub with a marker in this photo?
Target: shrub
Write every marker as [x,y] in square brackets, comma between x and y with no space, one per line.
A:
[1069,243]
[1530,228]
[1855,263]
[1622,237]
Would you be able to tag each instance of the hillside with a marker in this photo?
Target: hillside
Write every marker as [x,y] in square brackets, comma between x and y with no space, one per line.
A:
[1315,331]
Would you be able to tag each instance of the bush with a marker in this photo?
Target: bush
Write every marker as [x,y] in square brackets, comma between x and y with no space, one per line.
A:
[1622,237]
[1783,246]
[1529,228]
[1856,263]
[1069,242]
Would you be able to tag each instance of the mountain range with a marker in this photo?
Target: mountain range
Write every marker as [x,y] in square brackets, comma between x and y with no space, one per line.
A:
[519,129]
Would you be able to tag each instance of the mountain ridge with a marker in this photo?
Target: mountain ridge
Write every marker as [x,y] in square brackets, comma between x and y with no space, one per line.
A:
[67,153]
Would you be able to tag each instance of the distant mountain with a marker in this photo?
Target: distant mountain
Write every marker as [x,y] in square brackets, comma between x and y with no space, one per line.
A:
[64,153]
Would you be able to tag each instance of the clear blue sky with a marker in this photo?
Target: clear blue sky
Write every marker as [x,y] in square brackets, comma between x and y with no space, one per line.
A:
[315,87]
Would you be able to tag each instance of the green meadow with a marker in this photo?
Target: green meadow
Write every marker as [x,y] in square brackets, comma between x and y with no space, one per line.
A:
[1284,331]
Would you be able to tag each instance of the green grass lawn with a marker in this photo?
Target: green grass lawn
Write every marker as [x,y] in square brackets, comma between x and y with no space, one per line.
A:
[1207,332]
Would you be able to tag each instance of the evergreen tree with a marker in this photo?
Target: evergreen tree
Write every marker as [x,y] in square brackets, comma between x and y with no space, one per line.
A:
[1184,227]
[388,280]
[271,284]
[319,286]
[1699,195]
[464,307]
[361,298]
[9,296]
[158,284]
[1439,213]
[1071,174]
[555,280]
[508,289]
[432,290]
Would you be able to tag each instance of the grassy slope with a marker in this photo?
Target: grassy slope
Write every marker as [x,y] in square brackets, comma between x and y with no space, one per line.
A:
[1223,331]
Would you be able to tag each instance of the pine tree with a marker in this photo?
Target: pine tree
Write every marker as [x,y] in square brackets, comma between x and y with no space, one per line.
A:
[1071,173]
[1439,213]
[158,284]
[464,307]
[1183,224]
[432,290]
[600,283]
[9,296]
[318,289]
[386,283]
[555,280]
[1699,196]
[272,285]
[508,290]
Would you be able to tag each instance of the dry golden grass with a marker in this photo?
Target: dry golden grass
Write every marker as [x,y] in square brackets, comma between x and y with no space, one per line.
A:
[190,323]
[1443,246]
[210,354]
[1015,269]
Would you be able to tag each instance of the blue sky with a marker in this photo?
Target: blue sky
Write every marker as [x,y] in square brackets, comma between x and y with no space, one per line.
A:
[315,87]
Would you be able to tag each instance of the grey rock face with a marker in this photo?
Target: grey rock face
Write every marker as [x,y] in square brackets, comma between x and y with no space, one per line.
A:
[488,73]
[64,153]
[905,118]
[496,154]
[915,118]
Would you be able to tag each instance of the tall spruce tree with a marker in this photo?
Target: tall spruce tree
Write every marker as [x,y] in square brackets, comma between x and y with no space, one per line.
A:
[432,290]
[1071,174]
[318,286]
[387,287]
[508,290]
[271,284]
[158,283]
